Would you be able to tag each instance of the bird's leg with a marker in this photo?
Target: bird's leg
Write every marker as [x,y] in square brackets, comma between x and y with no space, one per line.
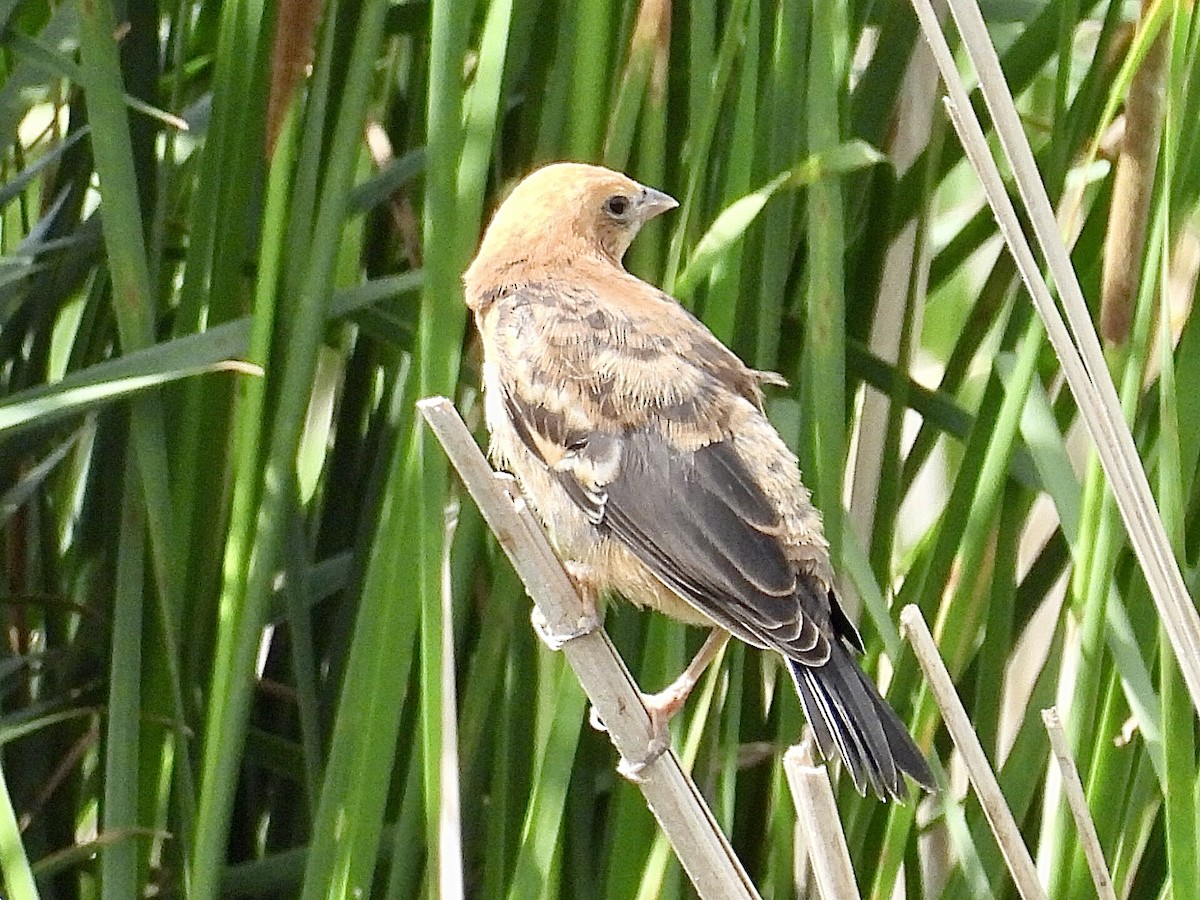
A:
[666,703]
[581,576]
[663,706]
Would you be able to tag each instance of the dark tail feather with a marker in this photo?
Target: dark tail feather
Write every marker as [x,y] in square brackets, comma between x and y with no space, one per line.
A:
[852,721]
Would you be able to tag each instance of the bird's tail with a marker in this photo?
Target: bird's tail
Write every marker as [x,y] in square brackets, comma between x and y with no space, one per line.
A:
[851,720]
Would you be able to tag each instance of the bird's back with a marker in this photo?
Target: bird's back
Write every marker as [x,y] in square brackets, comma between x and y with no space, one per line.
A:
[589,351]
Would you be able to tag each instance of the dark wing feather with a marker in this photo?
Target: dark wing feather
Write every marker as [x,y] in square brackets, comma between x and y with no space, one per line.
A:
[697,520]
[699,514]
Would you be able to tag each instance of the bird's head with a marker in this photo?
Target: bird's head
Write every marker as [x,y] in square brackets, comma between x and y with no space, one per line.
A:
[560,213]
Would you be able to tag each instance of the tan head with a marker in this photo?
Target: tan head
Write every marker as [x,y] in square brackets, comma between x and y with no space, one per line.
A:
[563,212]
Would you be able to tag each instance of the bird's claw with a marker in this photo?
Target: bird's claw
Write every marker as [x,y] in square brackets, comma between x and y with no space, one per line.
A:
[634,770]
[660,737]
[556,640]
[508,483]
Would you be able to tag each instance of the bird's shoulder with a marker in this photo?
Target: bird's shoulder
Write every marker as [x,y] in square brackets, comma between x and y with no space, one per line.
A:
[609,341]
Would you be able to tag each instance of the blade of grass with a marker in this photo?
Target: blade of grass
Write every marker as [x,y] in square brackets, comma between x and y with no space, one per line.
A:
[60,402]
[651,26]
[563,710]
[707,91]
[1179,736]
[347,828]
[732,223]
[133,307]
[785,142]
[213,350]
[119,862]
[824,381]
[14,864]
[439,341]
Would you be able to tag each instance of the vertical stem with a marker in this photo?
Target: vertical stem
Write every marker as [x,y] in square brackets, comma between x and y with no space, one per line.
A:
[439,339]
[825,383]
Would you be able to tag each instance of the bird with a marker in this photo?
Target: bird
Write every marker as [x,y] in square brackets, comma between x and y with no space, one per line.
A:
[641,443]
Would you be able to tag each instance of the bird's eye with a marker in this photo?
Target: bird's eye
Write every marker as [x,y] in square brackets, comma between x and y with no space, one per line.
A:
[617,206]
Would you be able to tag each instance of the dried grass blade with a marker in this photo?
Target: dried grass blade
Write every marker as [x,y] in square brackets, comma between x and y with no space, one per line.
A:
[999,816]
[1073,788]
[670,793]
[817,812]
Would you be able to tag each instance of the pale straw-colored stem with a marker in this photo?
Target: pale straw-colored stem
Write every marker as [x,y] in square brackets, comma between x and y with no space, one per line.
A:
[962,731]
[817,813]
[1073,788]
[670,793]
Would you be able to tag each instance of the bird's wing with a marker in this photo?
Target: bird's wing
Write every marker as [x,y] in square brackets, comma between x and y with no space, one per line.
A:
[695,518]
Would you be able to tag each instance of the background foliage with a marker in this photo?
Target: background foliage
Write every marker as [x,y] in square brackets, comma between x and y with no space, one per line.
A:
[232,236]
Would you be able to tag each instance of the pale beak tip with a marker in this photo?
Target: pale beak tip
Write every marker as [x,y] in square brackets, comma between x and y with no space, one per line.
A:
[654,203]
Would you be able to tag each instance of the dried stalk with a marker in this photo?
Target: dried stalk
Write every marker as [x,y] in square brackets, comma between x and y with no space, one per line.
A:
[817,812]
[1073,788]
[999,816]
[670,793]
[1133,188]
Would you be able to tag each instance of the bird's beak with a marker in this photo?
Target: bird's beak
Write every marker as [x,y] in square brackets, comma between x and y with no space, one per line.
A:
[652,203]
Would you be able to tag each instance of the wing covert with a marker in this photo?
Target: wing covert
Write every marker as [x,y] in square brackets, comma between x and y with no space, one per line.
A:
[696,519]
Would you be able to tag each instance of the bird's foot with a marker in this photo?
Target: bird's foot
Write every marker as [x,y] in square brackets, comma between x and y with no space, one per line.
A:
[635,769]
[661,708]
[556,640]
[589,619]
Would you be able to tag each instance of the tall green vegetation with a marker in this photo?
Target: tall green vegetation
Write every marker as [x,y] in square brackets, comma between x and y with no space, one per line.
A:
[257,642]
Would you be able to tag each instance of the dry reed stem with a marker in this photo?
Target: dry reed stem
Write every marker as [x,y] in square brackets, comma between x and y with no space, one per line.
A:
[817,812]
[1073,788]
[451,884]
[987,788]
[1133,189]
[670,793]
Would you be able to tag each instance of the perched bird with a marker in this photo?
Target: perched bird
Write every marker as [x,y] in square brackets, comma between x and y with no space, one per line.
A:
[641,443]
